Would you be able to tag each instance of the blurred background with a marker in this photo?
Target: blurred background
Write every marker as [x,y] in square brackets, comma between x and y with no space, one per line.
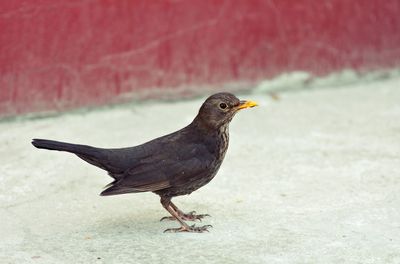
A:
[57,55]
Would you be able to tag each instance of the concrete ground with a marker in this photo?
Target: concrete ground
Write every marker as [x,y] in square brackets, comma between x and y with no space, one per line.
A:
[313,177]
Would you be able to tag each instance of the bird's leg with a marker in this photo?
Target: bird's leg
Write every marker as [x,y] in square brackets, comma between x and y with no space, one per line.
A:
[191,216]
[166,203]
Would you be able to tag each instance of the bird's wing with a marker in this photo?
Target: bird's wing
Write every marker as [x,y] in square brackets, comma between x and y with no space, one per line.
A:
[118,160]
[163,170]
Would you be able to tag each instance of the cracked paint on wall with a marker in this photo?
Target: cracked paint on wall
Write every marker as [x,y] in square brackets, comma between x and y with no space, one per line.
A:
[58,55]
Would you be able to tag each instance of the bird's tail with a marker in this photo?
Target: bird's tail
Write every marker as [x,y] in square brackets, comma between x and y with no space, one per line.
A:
[62,146]
[94,156]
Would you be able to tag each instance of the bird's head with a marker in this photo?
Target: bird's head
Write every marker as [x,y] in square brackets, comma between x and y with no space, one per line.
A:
[219,109]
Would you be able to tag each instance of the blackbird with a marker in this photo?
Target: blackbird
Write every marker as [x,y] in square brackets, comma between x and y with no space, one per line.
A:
[172,165]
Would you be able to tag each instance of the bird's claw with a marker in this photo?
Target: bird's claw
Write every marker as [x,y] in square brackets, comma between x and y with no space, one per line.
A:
[167,218]
[191,216]
[189,229]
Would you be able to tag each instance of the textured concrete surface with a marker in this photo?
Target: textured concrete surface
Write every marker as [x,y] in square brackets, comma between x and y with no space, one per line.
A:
[311,178]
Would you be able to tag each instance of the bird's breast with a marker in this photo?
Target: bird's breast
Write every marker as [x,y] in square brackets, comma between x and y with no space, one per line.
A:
[222,142]
[217,144]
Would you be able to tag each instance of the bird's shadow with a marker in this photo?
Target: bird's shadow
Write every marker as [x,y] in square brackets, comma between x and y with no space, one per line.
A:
[145,223]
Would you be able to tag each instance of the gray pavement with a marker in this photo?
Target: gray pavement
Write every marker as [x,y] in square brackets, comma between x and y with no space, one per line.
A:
[313,177]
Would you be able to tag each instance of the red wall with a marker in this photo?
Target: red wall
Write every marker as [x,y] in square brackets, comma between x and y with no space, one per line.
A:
[57,54]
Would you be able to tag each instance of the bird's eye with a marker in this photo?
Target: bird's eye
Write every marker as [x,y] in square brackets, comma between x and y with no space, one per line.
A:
[223,106]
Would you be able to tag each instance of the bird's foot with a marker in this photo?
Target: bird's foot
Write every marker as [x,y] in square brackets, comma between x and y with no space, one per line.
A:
[192,216]
[190,229]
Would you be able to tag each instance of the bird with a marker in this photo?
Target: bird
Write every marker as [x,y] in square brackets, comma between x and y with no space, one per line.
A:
[172,165]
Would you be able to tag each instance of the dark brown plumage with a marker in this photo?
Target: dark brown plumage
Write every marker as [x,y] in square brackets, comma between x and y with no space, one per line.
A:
[172,165]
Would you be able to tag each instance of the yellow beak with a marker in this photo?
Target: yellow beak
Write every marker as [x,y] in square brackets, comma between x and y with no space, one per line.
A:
[246,104]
